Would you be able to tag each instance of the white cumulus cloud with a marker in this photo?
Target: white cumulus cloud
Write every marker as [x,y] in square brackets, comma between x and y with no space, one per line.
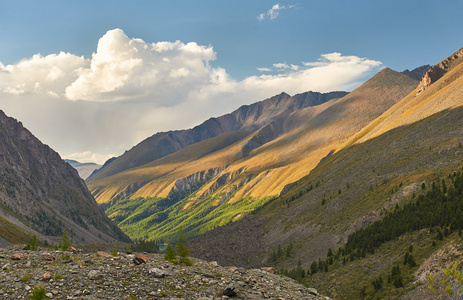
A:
[91,108]
[125,69]
[331,71]
[49,74]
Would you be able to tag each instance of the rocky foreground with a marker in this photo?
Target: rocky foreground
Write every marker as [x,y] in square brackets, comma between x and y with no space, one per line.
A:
[73,275]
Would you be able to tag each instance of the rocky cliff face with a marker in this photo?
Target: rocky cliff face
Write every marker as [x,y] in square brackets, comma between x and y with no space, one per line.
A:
[184,186]
[42,194]
[440,69]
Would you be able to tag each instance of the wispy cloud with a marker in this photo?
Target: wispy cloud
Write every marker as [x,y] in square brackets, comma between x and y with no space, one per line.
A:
[273,12]
[91,108]
[284,66]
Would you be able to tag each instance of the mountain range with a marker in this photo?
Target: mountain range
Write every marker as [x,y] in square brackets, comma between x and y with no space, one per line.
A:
[305,181]
[222,178]
[84,169]
[354,192]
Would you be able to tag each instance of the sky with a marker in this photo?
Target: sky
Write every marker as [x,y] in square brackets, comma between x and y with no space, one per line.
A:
[93,78]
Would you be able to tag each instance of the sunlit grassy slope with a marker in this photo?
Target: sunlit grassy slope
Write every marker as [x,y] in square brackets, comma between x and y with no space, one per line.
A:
[245,166]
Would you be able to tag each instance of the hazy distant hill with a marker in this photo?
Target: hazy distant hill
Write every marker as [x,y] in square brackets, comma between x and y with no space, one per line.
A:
[409,155]
[41,194]
[84,169]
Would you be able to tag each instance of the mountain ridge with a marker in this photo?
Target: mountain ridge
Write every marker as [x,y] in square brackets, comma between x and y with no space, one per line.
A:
[247,117]
[41,194]
[84,169]
[246,171]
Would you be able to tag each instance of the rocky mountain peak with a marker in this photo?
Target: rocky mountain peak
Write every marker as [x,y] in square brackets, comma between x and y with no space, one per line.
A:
[417,73]
[439,70]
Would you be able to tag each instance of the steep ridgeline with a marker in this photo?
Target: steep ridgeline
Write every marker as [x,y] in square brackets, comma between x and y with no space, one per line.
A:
[418,72]
[403,167]
[43,195]
[224,178]
[440,69]
[247,117]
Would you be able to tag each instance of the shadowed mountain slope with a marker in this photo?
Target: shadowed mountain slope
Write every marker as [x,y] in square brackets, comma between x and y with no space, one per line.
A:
[41,194]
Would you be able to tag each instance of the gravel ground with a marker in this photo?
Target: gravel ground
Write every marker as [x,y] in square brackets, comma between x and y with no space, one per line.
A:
[74,275]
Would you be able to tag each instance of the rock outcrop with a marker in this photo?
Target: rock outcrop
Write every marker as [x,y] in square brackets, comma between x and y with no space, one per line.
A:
[439,70]
[182,187]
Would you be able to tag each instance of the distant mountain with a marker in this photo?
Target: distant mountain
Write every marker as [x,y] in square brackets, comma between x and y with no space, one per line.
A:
[418,72]
[247,118]
[84,169]
[406,161]
[41,194]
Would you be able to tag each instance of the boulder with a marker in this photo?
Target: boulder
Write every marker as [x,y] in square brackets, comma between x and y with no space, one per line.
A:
[48,257]
[270,270]
[18,256]
[140,259]
[46,276]
[94,274]
[103,254]
[158,273]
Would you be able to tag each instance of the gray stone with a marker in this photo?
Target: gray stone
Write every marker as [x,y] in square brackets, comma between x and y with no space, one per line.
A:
[95,274]
[157,273]
[312,291]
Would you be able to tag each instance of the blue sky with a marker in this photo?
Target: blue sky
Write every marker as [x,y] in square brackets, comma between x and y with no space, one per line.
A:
[239,52]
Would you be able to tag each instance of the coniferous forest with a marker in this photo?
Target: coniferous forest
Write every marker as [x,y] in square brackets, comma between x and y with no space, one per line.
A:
[436,208]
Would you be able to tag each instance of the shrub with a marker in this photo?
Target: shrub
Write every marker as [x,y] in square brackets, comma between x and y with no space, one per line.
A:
[38,293]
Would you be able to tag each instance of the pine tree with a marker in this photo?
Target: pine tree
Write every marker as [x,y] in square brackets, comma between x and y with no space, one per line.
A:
[65,242]
[32,245]
[313,267]
[114,252]
[182,250]
[330,253]
[170,254]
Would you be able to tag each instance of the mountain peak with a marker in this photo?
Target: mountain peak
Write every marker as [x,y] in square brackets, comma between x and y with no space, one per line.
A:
[439,70]
[417,73]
